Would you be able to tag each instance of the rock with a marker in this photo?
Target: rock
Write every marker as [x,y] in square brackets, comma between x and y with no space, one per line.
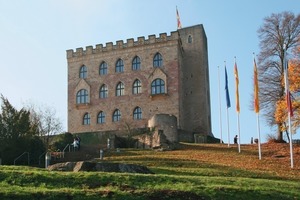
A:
[99,166]
[67,166]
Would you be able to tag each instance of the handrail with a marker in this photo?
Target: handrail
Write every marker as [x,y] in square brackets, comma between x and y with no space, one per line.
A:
[60,152]
[40,157]
[63,152]
[21,156]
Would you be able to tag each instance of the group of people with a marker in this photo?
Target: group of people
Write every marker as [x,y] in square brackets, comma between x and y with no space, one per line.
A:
[76,143]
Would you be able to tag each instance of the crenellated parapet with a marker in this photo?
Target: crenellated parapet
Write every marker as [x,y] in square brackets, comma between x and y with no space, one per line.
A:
[163,37]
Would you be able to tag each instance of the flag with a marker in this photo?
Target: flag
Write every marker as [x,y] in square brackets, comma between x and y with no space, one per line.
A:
[287,89]
[226,89]
[256,101]
[289,103]
[178,20]
[236,74]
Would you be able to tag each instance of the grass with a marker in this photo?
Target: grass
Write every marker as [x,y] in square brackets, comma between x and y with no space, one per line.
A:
[194,171]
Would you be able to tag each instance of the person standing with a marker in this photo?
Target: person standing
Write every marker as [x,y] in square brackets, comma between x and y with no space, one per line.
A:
[235,139]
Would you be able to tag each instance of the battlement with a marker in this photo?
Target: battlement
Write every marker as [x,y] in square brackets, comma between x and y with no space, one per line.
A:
[163,37]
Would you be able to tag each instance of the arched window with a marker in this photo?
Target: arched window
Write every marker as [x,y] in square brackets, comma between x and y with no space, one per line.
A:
[103,93]
[120,89]
[120,66]
[86,119]
[136,88]
[136,63]
[157,60]
[83,72]
[137,113]
[190,39]
[103,68]
[82,96]
[158,86]
[116,115]
[101,117]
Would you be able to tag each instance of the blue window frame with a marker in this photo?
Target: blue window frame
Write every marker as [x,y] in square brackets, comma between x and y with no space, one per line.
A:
[116,115]
[190,39]
[137,87]
[120,89]
[120,66]
[103,93]
[157,60]
[103,68]
[86,119]
[158,86]
[137,113]
[83,72]
[136,63]
[82,96]
[101,117]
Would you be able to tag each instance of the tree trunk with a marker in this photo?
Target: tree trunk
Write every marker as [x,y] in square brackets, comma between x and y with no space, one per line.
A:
[279,133]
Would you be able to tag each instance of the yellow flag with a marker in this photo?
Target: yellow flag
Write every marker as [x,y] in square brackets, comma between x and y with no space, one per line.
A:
[236,74]
[256,101]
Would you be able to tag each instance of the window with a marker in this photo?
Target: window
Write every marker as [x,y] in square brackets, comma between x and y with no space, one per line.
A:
[116,115]
[83,72]
[86,119]
[82,96]
[120,89]
[136,89]
[157,60]
[158,86]
[101,117]
[190,39]
[103,68]
[103,92]
[120,66]
[137,113]
[136,63]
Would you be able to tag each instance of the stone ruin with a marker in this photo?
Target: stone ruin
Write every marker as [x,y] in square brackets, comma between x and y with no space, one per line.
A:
[99,166]
[164,135]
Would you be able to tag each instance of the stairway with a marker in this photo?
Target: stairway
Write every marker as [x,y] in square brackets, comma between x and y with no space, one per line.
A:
[86,152]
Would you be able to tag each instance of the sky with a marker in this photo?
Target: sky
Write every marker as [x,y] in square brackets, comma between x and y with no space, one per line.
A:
[34,37]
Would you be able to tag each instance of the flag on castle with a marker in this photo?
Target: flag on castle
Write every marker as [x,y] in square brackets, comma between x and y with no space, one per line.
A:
[227,90]
[287,90]
[236,74]
[256,105]
[256,100]
[178,19]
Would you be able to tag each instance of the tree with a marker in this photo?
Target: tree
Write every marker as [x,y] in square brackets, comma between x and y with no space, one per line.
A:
[278,31]
[17,133]
[47,122]
[281,113]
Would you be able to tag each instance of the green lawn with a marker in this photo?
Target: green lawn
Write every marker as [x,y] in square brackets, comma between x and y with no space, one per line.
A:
[192,172]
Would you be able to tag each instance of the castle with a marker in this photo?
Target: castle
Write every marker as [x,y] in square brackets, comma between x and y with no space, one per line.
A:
[125,84]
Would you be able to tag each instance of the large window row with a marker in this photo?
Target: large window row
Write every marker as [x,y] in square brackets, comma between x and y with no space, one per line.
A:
[157,87]
[119,66]
[116,116]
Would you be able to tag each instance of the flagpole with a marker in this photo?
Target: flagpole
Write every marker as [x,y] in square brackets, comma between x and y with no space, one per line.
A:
[258,132]
[228,128]
[228,103]
[238,126]
[287,93]
[291,142]
[256,103]
[237,104]
[220,110]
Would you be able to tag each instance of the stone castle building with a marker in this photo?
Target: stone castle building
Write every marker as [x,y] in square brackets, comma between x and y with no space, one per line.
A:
[125,84]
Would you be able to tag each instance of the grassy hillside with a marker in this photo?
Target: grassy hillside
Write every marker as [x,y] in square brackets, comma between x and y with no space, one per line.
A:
[194,171]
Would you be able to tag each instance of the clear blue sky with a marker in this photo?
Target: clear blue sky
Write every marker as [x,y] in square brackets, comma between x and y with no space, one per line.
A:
[35,35]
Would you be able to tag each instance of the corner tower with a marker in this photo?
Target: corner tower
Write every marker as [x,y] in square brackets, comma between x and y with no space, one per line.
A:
[195,92]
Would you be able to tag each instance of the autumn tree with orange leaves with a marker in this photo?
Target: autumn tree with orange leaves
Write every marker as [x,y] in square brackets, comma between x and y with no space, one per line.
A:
[278,34]
[281,113]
